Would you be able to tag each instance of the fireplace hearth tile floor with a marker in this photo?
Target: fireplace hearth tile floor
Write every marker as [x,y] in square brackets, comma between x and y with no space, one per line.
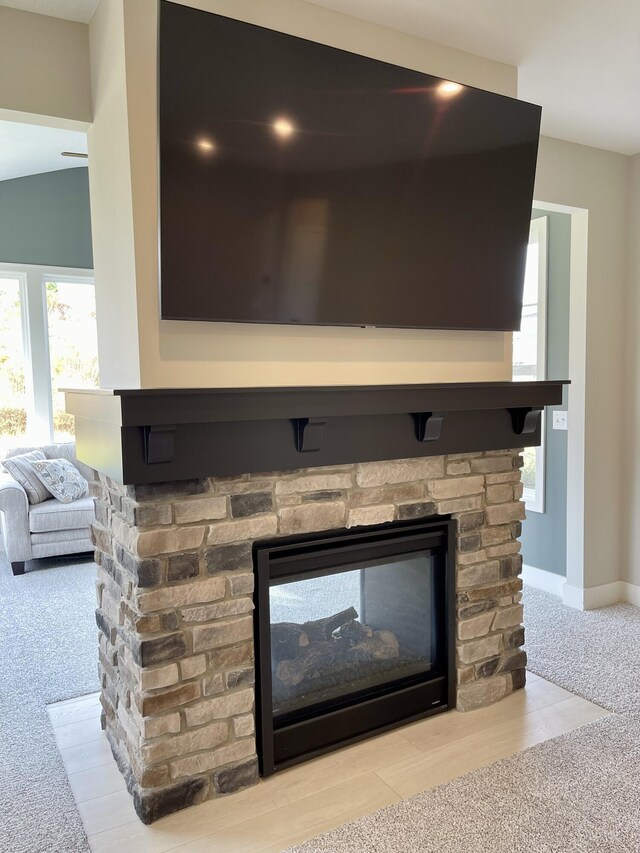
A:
[314,797]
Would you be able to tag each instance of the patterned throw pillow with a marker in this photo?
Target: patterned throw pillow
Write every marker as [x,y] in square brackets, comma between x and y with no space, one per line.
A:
[22,470]
[63,479]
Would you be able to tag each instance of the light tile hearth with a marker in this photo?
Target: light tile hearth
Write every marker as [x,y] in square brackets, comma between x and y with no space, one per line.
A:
[319,795]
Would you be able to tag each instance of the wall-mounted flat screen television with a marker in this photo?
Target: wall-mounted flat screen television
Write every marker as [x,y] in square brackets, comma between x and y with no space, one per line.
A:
[304,184]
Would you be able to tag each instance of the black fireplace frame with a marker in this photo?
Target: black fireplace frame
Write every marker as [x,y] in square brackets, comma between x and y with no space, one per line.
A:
[358,716]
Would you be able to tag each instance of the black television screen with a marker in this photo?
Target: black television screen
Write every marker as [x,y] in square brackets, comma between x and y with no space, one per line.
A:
[304,184]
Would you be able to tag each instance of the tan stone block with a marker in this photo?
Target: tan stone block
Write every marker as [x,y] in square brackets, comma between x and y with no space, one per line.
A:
[222,633]
[401,471]
[246,528]
[220,708]
[504,550]
[455,487]
[495,535]
[149,543]
[314,483]
[500,493]
[504,477]
[492,464]
[154,777]
[207,737]
[204,762]
[518,490]
[158,726]
[244,725]
[479,574]
[478,626]
[479,649]
[457,467]
[208,612]
[472,558]
[465,674]
[311,517]
[459,505]
[386,494]
[241,583]
[364,515]
[159,702]
[161,676]
[508,617]
[479,694]
[192,667]
[505,601]
[200,509]
[194,592]
[504,513]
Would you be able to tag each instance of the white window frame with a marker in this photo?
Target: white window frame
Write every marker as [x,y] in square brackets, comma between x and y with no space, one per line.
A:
[538,233]
[32,279]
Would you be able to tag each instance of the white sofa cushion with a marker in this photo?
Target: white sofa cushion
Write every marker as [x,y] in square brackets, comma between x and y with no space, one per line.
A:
[53,515]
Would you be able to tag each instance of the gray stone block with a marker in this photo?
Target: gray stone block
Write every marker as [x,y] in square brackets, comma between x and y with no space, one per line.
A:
[228,558]
[419,509]
[182,566]
[252,503]
[236,777]
[153,803]
[159,649]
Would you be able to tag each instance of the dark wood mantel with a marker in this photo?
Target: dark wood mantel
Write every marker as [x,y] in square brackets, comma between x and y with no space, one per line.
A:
[162,434]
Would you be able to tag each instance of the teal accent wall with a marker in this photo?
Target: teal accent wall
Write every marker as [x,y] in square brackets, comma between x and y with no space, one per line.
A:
[544,535]
[45,219]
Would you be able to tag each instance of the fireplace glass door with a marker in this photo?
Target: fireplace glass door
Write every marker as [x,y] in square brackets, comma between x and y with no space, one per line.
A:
[342,632]
[347,621]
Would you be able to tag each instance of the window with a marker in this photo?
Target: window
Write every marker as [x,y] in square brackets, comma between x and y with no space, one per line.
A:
[73,346]
[48,342]
[14,397]
[530,351]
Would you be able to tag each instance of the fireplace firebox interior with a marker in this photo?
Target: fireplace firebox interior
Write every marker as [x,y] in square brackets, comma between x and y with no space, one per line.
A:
[354,635]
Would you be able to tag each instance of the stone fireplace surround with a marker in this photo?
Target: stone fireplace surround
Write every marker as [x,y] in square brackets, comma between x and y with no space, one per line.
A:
[175,599]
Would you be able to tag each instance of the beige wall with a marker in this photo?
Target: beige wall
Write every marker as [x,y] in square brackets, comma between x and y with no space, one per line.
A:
[597,181]
[183,354]
[44,68]
[631,459]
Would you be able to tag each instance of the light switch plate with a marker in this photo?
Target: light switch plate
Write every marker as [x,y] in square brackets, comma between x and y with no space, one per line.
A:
[560,420]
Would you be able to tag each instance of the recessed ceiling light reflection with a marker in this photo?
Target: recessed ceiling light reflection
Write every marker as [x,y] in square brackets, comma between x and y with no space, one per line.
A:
[448,89]
[206,145]
[283,128]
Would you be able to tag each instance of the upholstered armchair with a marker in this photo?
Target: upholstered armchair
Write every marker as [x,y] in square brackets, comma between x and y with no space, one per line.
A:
[47,529]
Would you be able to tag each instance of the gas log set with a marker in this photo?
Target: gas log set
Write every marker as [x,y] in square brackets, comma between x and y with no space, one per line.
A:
[317,660]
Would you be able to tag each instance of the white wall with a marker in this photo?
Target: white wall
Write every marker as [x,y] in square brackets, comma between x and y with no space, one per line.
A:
[183,354]
[111,207]
[44,69]
[597,181]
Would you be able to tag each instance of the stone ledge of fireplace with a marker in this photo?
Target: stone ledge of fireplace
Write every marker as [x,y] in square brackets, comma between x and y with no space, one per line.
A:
[175,596]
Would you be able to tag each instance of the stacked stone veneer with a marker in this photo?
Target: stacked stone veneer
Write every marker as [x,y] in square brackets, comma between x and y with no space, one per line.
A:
[175,600]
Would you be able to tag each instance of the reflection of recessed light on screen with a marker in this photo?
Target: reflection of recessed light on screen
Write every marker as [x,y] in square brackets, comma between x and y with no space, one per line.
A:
[448,89]
[206,145]
[283,128]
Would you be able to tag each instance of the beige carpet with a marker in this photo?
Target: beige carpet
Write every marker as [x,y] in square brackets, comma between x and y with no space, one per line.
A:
[48,643]
[578,793]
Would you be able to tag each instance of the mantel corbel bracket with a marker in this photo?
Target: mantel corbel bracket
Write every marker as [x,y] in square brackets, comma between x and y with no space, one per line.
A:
[428,425]
[309,433]
[159,443]
[525,420]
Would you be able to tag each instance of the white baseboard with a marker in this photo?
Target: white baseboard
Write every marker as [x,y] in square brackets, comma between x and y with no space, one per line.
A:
[581,599]
[595,597]
[544,580]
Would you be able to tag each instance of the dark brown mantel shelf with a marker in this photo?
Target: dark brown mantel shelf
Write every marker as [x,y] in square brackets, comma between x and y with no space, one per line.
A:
[155,435]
